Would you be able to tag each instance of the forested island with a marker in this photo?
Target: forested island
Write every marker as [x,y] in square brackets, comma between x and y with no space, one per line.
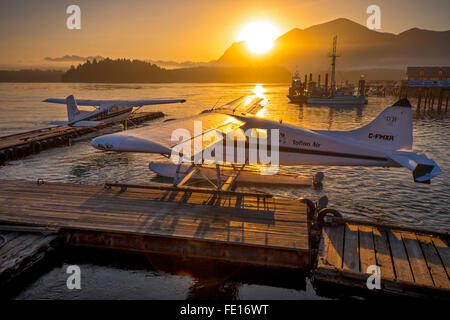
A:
[137,71]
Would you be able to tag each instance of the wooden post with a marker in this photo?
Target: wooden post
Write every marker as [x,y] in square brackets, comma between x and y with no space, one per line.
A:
[439,101]
[418,102]
[432,101]
[446,104]
[429,98]
[426,99]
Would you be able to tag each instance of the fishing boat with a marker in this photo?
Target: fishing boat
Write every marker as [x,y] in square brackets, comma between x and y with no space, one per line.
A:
[297,89]
[338,97]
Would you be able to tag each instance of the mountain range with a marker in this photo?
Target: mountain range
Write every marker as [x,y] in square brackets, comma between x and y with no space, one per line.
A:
[359,48]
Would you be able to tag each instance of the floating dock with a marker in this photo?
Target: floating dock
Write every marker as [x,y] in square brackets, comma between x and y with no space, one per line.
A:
[20,145]
[249,228]
[412,262]
[252,229]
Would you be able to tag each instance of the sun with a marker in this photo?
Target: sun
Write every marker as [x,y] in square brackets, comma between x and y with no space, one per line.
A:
[259,36]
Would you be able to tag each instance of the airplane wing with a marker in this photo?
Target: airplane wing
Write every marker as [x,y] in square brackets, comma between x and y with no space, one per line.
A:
[163,138]
[117,103]
[200,129]
[245,104]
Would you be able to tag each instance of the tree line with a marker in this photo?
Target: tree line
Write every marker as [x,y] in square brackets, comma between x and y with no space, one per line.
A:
[138,71]
[29,75]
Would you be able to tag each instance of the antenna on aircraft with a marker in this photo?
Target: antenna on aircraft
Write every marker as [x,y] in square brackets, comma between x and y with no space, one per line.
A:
[216,103]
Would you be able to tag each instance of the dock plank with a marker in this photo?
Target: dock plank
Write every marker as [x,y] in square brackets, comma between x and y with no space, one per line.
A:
[382,253]
[351,250]
[444,252]
[366,248]
[331,247]
[416,259]
[401,264]
[434,263]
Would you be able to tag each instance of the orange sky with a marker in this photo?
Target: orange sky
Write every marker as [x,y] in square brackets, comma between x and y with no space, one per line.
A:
[195,30]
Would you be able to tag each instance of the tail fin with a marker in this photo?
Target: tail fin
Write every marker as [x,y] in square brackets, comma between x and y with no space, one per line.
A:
[392,129]
[72,109]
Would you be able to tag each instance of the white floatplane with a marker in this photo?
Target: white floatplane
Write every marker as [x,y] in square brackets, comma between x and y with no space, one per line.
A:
[385,142]
[106,110]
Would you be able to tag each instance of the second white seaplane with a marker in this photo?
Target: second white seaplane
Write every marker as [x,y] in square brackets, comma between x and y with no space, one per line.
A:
[225,138]
[106,110]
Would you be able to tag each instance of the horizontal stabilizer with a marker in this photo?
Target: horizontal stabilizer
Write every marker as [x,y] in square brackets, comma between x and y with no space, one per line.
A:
[86,123]
[423,168]
[59,123]
[76,124]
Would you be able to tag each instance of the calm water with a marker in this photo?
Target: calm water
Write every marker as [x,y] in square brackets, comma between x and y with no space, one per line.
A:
[380,194]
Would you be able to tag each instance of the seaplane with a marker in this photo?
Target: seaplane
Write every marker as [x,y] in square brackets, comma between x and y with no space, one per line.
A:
[106,110]
[222,141]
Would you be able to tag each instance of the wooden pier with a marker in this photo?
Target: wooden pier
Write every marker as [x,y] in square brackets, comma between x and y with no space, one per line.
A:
[428,93]
[19,145]
[427,97]
[249,228]
[412,262]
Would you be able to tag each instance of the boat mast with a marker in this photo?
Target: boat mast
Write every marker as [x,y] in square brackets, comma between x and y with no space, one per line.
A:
[333,67]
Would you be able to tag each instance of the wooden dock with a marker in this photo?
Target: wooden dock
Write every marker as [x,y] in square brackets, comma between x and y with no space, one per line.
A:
[247,228]
[20,251]
[412,262]
[241,228]
[20,145]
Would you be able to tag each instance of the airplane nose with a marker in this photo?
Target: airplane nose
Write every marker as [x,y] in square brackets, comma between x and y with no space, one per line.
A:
[126,143]
[102,143]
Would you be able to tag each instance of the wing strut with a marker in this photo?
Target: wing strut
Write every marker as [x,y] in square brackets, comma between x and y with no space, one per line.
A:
[231,180]
[179,181]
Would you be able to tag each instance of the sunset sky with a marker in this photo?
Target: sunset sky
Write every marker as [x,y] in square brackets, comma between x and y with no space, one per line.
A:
[179,30]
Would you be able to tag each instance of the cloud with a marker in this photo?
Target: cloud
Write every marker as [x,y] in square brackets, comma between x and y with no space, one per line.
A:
[169,64]
[174,64]
[72,58]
